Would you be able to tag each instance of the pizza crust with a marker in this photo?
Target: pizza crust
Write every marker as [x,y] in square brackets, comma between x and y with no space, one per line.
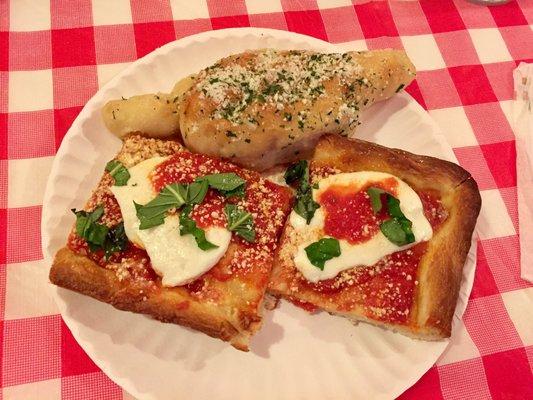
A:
[440,269]
[231,310]
[80,274]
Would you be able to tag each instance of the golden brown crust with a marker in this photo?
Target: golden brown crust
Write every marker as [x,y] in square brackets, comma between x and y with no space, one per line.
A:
[422,172]
[280,127]
[76,272]
[154,114]
[440,269]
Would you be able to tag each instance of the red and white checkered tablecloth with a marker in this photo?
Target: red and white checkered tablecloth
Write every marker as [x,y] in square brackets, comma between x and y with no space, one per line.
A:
[55,54]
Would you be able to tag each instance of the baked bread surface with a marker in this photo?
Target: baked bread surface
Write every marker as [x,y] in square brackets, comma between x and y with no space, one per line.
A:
[439,271]
[265,107]
[225,302]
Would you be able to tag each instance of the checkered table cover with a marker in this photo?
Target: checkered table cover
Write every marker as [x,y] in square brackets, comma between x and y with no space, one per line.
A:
[55,54]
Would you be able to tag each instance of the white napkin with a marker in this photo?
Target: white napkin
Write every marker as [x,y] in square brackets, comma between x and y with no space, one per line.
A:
[523,129]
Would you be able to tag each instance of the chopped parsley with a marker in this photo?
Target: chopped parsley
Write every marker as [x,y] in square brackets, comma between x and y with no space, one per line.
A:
[274,78]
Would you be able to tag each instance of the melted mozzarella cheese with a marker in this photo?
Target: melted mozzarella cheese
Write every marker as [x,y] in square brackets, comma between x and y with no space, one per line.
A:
[138,189]
[176,258]
[362,254]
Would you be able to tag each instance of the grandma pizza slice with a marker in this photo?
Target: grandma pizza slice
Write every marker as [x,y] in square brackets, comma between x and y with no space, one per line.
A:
[183,237]
[377,235]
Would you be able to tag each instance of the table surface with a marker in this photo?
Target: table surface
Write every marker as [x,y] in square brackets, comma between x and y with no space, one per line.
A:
[55,54]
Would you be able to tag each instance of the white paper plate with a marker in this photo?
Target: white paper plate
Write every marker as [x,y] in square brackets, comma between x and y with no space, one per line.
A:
[295,355]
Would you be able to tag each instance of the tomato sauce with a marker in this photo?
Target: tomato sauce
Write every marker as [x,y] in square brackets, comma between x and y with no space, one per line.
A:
[267,202]
[112,214]
[434,211]
[195,286]
[386,290]
[349,214]
[304,305]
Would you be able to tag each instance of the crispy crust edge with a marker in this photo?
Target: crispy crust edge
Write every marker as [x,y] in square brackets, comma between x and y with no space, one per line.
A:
[422,171]
[80,274]
[441,268]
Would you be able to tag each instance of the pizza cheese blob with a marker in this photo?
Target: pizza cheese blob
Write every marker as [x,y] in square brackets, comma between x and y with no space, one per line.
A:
[370,214]
[175,257]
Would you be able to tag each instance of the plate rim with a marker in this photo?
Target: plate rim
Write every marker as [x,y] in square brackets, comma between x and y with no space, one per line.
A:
[87,112]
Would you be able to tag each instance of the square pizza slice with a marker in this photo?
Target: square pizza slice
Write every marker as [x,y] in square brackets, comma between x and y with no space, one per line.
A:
[377,235]
[183,237]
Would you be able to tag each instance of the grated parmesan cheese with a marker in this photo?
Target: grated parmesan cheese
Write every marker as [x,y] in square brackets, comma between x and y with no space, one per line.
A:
[278,78]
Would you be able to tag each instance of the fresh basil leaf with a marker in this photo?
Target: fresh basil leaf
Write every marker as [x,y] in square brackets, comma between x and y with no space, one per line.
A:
[188,226]
[228,184]
[116,240]
[96,234]
[82,222]
[375,198]
[396,212]
[323,250]
[151,215]
[174,195]
[194,192]
[88,229]
[398,229]
[96,214]
[99,236]
[118,171]
[305,206]
[392,229]
[154,212]
[393,205]
[85,219]
[295,172]
[224,181]
[94,247]
[240,222]
[299,172]
[305,185]
[407,227]
[238,192]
